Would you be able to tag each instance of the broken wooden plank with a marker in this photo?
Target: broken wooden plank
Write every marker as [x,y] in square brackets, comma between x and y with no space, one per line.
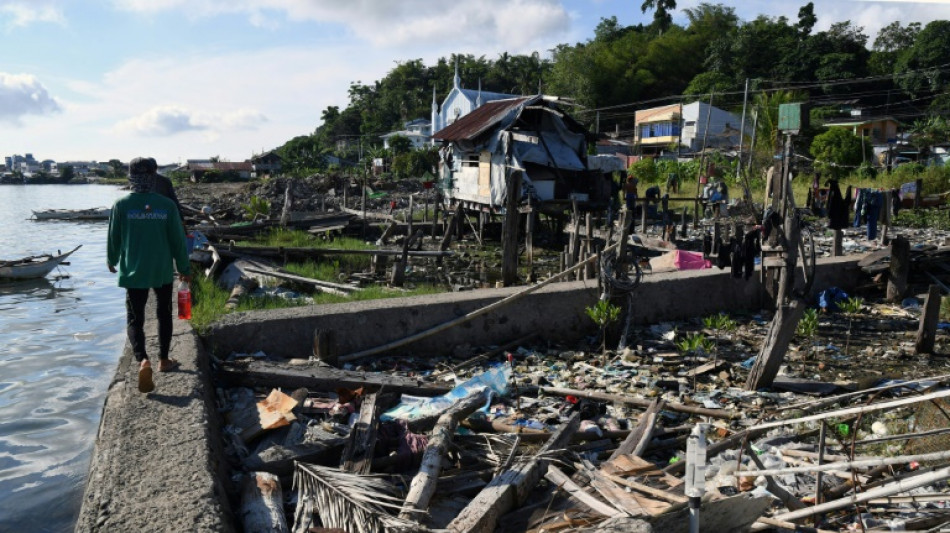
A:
[512,487]
[321,378]
[424,482]
[563,482]
[358,452]
[652,491]
[638,439]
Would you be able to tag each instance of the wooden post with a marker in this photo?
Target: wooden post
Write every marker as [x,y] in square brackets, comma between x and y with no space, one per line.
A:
[435,213]
[927,332]
[288,203]
[363,203]
[918,192]
[529,238]
[450,228]
[780,334]
[322,350]
[589,246]
[683,223]
[900,268]
[411,216]
[643,217]
[509,250]
[837,250]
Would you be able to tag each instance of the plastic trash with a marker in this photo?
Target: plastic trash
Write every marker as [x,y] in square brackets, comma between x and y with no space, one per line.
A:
[413,407]
[910,303]
[828,299]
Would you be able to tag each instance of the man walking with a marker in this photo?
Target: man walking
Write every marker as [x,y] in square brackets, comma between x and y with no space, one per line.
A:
[146,241]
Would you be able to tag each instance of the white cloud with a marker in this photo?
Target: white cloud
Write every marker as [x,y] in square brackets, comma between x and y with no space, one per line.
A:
[21,14]
[21,95]
[512,25]
[162,121]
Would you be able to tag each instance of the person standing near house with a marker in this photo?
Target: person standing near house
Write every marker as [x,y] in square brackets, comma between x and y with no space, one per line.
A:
[630,194]
[146,242]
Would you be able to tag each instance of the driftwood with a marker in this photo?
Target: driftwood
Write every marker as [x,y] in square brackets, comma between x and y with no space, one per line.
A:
[630,400]
[320,378]
[511,488]
[262,504]
[424,483]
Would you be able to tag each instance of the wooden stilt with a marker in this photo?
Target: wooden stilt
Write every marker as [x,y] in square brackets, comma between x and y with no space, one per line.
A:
[900,268]
[509,262]
[927,332]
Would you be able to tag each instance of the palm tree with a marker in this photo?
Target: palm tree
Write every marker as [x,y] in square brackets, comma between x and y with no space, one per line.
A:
[661,14]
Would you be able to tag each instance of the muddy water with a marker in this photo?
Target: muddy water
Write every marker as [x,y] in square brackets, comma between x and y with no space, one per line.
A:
[60,340]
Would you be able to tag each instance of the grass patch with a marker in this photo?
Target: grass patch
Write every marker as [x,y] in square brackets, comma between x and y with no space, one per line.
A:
[209,300]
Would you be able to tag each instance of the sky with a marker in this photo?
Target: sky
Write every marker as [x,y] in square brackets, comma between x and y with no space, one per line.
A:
[193,79]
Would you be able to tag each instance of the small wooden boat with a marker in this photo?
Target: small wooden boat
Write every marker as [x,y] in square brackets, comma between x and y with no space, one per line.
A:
[96,213]
[37,266]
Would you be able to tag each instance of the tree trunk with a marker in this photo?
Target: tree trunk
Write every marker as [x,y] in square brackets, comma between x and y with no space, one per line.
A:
[900,268]
[424,483]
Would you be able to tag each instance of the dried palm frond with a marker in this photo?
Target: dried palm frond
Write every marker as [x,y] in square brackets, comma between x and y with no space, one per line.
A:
[352,502]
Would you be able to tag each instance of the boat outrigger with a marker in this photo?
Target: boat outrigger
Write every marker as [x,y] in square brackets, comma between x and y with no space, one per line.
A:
[32,267]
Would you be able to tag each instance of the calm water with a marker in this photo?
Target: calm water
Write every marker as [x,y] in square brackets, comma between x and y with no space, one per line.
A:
[60,341]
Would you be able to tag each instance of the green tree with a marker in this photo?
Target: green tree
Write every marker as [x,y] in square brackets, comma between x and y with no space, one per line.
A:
[662,19]
[67,173]
[926,133]
[837,150]
[921,66]
[400,144]
[117,168]
[892,41]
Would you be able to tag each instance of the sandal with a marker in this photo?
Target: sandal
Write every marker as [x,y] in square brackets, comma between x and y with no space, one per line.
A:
[146,384]
[167,365]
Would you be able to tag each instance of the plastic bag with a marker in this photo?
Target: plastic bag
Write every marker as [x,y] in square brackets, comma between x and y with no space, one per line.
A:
[414,407]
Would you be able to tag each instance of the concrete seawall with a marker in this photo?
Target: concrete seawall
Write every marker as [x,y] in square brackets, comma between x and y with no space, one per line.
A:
[158,464]
[556,311]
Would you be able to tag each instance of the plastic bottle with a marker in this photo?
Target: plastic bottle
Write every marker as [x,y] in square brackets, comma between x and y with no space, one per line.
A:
[184,301]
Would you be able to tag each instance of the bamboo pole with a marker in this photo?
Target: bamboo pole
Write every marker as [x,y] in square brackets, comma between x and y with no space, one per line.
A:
[854,410]
[880,492]
[846,465]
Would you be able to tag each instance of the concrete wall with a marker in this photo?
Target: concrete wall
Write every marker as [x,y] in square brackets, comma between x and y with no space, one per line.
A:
[556,312]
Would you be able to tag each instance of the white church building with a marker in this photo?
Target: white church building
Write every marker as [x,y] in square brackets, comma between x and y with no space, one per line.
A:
[460,102]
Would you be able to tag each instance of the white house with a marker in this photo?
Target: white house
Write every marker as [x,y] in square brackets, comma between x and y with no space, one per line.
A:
[685,126]
[418,131]
[460,102]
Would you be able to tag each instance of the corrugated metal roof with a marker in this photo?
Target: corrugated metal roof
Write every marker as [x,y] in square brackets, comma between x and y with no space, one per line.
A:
[480,120]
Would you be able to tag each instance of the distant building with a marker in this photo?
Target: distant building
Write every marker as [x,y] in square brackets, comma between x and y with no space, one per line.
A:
[418,132]
[198,168]
[877,130]
[684,127]
[267,164]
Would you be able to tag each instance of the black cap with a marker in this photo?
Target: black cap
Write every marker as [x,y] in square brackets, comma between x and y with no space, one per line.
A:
[143,165]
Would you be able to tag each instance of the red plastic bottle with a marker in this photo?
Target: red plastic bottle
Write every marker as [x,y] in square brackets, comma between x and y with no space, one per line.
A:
[184,301]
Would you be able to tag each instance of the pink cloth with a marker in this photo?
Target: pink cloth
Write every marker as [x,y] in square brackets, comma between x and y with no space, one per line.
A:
[679,260]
